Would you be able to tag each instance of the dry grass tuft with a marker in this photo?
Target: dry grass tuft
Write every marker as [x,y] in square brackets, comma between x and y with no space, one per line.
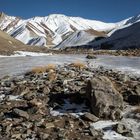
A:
[43,69]
[38,70]
[50,67]
[52,76]
[78,64]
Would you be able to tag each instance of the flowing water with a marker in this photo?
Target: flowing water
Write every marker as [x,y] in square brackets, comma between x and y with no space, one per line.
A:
[17,65]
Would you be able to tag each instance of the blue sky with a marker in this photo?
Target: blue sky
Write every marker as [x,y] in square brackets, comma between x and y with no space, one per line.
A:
[104,10]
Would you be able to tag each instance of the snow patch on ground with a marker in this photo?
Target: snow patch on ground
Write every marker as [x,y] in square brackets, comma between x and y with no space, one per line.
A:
[112,135]
[13,97]
[25,53]
[129,120]
[10,97]
[103,124]
[106,127]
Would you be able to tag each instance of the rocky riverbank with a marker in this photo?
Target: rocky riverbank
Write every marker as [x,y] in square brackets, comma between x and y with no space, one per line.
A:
[131,52]
[70,102]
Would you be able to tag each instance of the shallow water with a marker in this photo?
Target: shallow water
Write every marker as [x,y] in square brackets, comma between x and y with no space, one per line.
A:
[17,65]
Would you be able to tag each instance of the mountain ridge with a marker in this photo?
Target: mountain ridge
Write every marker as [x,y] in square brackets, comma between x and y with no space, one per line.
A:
[57,29]
[52,28]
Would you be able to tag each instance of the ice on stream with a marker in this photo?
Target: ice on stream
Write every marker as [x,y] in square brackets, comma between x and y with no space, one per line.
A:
[20,64]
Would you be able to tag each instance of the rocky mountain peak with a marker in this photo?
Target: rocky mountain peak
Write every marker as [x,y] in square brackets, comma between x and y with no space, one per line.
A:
[2,14]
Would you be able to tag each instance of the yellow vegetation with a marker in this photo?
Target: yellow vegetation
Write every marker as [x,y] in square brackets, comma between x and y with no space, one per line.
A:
[52,76]
[78,64]
[42,69]
[38,70]
[50,67]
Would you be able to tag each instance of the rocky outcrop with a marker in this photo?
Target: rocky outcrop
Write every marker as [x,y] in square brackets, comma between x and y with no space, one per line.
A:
[104,99]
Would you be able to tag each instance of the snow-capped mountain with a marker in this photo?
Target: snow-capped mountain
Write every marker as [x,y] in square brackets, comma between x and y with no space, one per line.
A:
[79,38]
[50,30]
[124,37]
[62,31]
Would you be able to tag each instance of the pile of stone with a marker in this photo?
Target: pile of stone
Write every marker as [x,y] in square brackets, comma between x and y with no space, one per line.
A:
[27,102]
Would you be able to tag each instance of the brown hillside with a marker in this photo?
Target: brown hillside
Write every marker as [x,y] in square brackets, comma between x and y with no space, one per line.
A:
[9,44]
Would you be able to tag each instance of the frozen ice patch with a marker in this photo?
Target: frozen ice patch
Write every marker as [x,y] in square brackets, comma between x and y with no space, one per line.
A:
[107,128]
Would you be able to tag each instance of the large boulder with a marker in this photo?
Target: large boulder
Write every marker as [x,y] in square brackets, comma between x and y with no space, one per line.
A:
[105,101]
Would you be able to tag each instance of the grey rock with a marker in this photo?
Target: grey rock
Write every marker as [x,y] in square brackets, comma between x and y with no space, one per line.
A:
[8,128]
[90,117]
[49,125]
[0,128]
[96,133]
[29,132]
[45,136]
[104,99]
[1,116]
[21,113]
[91,56]
[46,90]
[29,96]
[137,89]
[123,130]
[16,136]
